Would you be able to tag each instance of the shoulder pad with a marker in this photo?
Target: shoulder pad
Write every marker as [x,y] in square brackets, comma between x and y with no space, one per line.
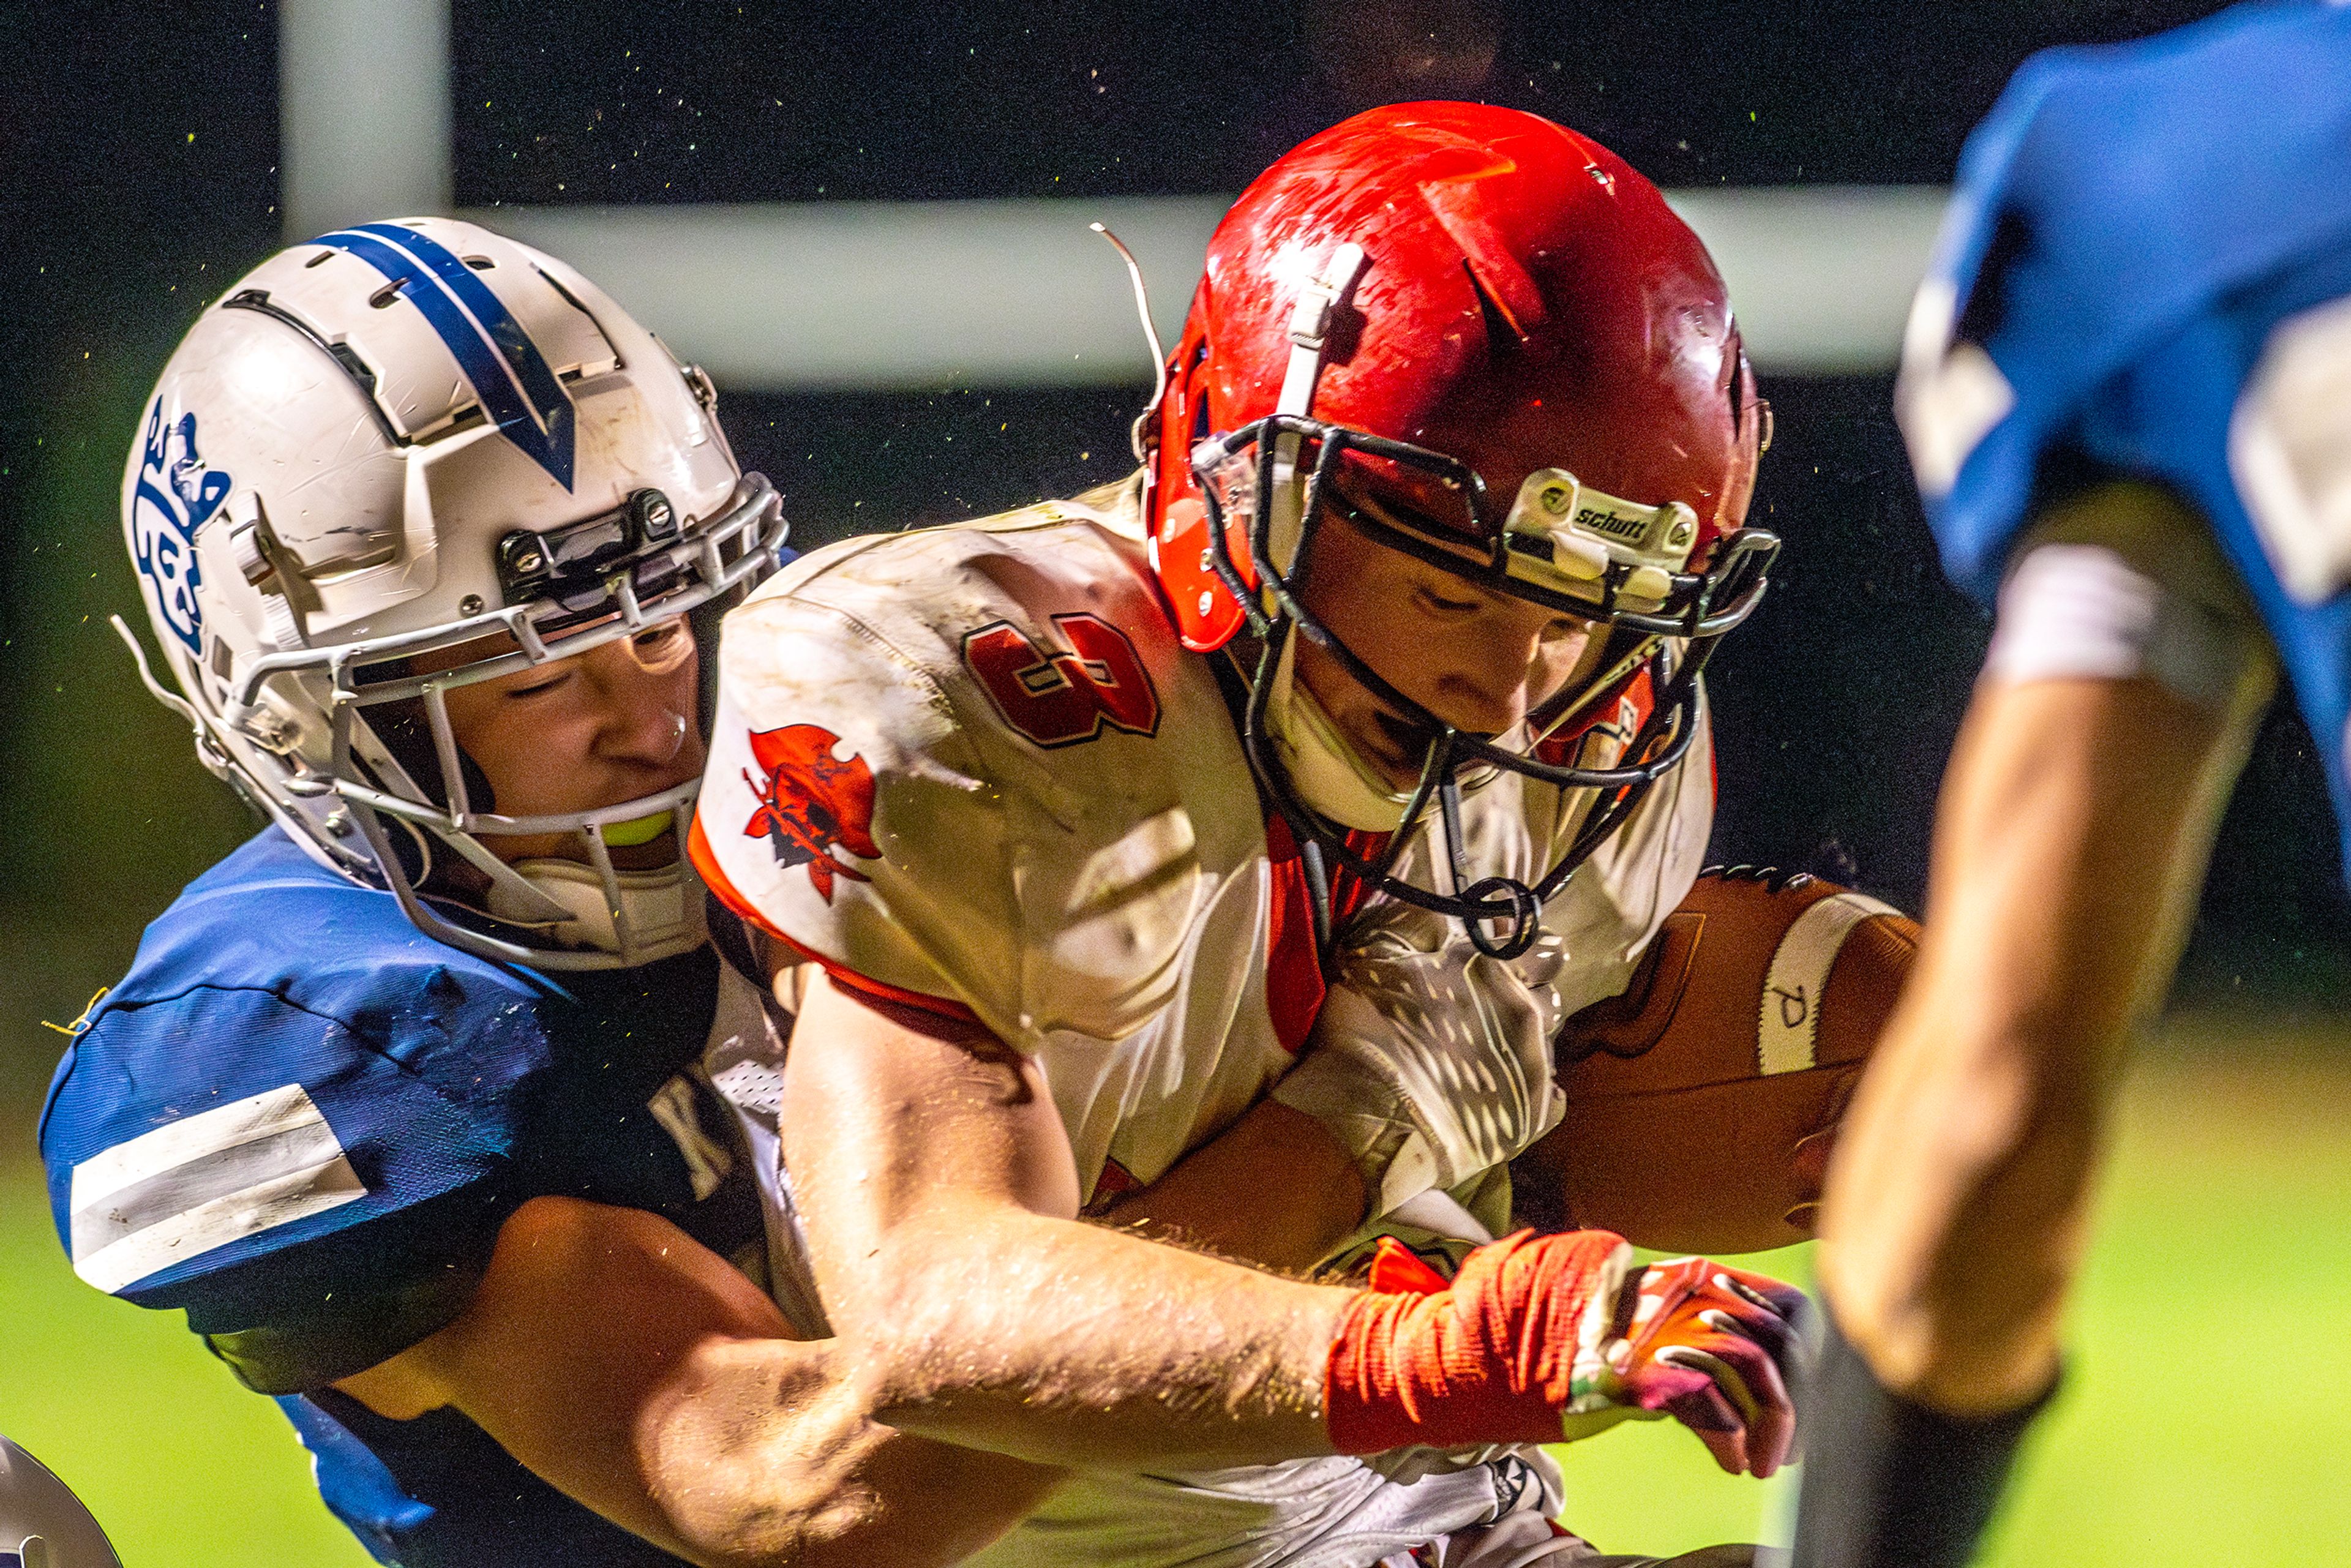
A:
[227,1151]
[960,765]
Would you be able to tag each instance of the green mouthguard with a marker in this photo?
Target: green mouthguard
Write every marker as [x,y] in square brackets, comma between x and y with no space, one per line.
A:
[640,830]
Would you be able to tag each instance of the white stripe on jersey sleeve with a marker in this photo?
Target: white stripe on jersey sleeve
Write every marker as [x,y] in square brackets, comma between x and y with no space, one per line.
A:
[203,1182]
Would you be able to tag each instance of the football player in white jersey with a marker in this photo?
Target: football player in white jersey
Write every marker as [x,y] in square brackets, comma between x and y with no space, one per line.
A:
[431,1107]
[1378,684]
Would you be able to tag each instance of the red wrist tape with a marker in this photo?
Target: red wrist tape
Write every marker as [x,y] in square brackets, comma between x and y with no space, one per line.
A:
[1488,1359]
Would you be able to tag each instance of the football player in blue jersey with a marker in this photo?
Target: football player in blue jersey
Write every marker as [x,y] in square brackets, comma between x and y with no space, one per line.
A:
[2127,397]
[432,1106]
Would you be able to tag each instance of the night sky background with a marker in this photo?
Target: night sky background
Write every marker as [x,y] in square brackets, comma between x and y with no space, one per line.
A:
[141,151]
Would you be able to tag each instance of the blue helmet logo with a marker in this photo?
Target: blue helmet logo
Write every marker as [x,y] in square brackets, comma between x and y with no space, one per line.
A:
[174,495]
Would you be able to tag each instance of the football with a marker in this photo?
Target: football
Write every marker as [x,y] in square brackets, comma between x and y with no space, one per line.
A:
[1701,1102]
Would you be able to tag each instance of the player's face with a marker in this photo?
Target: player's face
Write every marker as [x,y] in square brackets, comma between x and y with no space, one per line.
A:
[1477,660]
[605,727]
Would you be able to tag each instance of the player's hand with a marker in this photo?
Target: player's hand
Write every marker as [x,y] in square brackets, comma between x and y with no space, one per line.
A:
[1540,1338]
[1430,1061]
[1714,1347]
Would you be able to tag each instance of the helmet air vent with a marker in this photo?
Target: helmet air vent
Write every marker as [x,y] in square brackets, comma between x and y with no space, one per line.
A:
[345,357]
[585,361]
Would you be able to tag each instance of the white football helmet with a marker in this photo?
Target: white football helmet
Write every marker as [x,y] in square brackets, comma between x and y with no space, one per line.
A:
[402,437]
[42,1523]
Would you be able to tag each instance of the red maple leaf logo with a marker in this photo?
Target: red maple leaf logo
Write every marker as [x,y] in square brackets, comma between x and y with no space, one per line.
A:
[811,801]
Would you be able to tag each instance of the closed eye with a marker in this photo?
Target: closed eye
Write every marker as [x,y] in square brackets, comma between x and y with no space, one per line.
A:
[1435,603]
[540,687]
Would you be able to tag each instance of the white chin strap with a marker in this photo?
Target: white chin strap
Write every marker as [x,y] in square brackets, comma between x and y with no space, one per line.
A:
[1326,772]
[662,907]
[1310,332]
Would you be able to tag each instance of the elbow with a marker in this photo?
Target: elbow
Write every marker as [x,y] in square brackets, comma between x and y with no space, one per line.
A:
[758,1471]
[805,1478]
[911,1326]
[714,1528]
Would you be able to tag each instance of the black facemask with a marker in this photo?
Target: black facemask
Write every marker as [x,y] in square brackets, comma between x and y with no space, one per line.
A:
[1669,635]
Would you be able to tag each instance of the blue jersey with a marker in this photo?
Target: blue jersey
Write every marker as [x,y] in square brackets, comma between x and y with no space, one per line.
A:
[2133,226]
[302,1121]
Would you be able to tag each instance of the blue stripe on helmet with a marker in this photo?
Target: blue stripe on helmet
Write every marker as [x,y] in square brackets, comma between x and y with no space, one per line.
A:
[516,387]
[538,383]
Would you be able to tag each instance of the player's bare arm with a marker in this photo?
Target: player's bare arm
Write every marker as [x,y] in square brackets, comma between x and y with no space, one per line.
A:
[1276,1189]
[941,1217]
[941,1208]
[2144,468]
[636,1371]
[624,1363]
[2062,888]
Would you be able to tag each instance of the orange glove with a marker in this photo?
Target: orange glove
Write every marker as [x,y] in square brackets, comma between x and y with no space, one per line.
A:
[1541,1338]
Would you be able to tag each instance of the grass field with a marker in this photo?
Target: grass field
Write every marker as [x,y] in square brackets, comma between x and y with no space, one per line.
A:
[2204,1419]
[2204,1415]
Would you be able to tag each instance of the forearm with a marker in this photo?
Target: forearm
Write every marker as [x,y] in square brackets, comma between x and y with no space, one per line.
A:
[1063,1343]
[2061,891]
[1954,1215]
[940,1204]
[1276,1190]
[757,1457]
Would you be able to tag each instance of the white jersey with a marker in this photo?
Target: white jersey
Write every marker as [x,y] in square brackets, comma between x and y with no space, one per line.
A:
[971,768]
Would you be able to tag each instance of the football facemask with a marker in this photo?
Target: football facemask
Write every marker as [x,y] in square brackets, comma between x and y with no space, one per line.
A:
[580,911]
[1615,565]
[399,460]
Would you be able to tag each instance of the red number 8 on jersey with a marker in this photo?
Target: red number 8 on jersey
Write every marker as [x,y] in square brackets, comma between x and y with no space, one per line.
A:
[1063,698]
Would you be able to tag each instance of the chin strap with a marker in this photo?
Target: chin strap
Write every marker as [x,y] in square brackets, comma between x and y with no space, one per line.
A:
[1310,333]
[1332,779]
[1329,777]
[1309,328]
[660,910]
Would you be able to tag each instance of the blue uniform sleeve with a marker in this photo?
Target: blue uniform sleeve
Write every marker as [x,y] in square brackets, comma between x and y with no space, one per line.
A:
[317,1192]
[2107,211]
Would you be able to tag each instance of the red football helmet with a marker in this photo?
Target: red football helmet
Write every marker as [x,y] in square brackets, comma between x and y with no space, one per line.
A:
[1499,320]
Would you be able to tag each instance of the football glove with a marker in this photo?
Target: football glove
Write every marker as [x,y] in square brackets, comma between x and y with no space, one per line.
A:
[1546,1338]
[1430,1061]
